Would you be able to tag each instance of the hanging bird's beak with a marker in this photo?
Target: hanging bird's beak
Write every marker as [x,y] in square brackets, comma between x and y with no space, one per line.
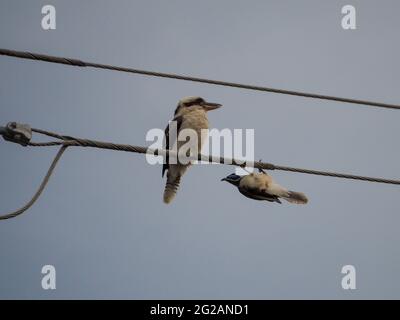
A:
[223,179]
[208,106]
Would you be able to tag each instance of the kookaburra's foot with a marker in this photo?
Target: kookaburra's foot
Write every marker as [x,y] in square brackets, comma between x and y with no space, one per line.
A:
[260,169]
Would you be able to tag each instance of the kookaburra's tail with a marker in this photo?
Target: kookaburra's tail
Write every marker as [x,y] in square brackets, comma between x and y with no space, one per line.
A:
[171,188]
[295,197]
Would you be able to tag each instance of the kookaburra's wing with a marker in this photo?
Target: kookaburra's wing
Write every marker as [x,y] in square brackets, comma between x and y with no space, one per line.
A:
[178,120]
[257,194]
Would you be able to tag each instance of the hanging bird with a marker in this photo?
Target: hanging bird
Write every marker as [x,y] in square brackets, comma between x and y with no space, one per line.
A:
[261,186]
[191,113]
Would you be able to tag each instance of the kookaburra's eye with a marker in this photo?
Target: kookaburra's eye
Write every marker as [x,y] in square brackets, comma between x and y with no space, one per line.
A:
[193,102]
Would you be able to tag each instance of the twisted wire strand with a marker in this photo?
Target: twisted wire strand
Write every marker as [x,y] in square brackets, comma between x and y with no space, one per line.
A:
[80,63]
[337,175]
[77,142]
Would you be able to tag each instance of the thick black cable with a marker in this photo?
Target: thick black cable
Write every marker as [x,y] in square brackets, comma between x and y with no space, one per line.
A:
[80,63]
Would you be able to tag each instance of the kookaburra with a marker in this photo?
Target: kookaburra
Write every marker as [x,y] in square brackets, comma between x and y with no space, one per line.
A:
[191,113]
[261,186]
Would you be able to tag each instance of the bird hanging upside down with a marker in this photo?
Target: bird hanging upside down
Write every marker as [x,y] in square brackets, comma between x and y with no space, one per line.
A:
[191,113]
[261,186]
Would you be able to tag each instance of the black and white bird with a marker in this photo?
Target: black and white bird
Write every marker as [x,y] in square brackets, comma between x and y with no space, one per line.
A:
[191,113]
[261,186]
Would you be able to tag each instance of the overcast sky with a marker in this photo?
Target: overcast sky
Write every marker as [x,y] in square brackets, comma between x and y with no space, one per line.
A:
[102,223]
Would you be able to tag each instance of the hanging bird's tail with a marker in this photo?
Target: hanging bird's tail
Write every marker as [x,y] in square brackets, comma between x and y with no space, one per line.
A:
[295,197]
[288,195]
[171,188]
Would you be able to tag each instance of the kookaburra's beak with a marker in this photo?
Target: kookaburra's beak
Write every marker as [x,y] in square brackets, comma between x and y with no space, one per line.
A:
[208,106]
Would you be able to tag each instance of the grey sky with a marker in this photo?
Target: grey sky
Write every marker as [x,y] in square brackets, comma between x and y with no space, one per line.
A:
[101,222]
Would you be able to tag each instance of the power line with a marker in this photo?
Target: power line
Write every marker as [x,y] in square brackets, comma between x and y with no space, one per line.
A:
[80,63]
[77,142]
[22,134]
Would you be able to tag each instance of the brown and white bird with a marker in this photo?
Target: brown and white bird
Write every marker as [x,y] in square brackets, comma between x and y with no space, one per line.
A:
[261,186]
[191,113]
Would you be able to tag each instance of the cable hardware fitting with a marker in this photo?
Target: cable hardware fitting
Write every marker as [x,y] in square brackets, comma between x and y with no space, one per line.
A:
[17,133]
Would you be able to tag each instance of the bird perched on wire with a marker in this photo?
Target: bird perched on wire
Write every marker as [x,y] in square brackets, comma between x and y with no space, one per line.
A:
[191,113]
[261,186]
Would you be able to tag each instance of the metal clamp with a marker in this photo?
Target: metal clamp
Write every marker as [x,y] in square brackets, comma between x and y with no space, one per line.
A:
[16,132]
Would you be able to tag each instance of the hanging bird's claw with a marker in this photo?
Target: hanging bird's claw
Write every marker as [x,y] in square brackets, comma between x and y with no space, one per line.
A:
[243,166]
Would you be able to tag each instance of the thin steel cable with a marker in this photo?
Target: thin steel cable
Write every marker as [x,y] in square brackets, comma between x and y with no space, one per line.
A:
[66,141]
[337,175]
[40,189]
[77,142]
[49,134]
[221,160]
[80,63]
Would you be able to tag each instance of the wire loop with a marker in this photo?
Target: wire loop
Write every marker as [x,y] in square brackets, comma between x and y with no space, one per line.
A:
[67,141]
